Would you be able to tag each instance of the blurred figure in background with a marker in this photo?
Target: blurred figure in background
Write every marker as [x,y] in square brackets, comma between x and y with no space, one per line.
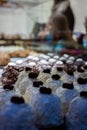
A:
[82,39]
[47,31]
[61,32]
[58,30]
[63,7]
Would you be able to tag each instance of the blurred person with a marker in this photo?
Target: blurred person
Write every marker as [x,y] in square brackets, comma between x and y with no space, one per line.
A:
[64,7]
[61,32]
[57,30]
[82,39]
[43,34]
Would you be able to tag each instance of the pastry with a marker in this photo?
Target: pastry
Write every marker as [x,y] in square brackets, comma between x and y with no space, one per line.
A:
[77,114]
[17,115]
[4,58]
[66,93]
[47,109]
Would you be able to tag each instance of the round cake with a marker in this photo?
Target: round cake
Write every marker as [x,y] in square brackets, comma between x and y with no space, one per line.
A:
[77,114]
[47,108]
[17,115]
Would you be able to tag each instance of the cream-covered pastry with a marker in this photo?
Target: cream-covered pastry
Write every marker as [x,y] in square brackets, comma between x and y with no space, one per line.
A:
[66,93]
[47,108]
[77,115]
[17,115]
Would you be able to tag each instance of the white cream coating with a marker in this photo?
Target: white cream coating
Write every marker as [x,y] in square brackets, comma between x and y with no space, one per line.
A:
[30,57]
[50,54]
[59,63]
[11,64]
[23,85]
[79,59]
[52,61]
[66,56]
[55,71]
[62,58]
[30,92]
[56,57]
[67,78]
[19,62]
[43,56]
[35,59]
[43,62]
[69,61]
[43,77]
[23,82]
[31,64]
[72,58]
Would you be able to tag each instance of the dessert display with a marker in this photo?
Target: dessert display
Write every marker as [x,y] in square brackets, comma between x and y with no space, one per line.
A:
[49,84]
[15,51]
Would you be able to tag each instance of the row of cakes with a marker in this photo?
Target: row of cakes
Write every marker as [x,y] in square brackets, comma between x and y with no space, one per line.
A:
[9,53]
[53,86]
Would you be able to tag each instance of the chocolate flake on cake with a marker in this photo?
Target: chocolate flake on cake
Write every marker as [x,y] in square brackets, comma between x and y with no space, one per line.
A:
[85,67]
[33,75]
[83,94]
[80,69]
[17,100]
[47,71]
[44,90]
[68,85]
[28,69]
[55,77]
[37,84]
[8,87]
[81,80]
[59,69]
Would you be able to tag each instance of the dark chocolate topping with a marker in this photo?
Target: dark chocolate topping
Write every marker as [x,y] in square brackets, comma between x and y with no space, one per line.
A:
[17,100]
[81,81]
[33,75]
[37,84]
[28,69]
[68,85]
[47,71]
[79,69]
[8,87]
[55,77]
[44,90]
[59,69]
[83,94]
[85,67]
[70,72]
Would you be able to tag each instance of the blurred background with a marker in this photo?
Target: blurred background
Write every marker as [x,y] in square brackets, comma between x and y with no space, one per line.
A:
[22,25]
